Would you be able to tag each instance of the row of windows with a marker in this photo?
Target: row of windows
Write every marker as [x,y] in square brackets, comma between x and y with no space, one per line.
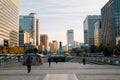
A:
[8,17]
[13,40]
[11,11]
[4,30]
[4,37]
[14,37]
[7,25]
[10,7]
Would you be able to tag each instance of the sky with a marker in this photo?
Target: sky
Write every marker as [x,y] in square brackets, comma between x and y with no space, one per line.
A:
[58,16]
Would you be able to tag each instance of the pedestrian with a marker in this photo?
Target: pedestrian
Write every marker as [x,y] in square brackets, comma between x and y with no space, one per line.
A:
[49,61]
[18,58]
[28,63]
[56,60]
[83,60]
[41,61]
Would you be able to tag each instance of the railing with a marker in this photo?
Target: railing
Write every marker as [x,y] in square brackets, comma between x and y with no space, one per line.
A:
[6,61]
[106,60]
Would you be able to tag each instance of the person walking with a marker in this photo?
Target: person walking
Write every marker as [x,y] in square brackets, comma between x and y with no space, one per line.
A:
[83,60]
[56,60]
[49,61]
[28,63]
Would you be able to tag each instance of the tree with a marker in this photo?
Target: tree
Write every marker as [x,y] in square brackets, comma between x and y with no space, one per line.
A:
[101,48]
[92,48]
[117,47]
[109,48]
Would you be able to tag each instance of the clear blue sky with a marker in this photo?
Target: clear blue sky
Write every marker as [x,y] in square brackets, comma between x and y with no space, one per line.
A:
[58,16]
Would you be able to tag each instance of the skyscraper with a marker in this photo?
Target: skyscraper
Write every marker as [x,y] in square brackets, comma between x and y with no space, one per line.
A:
[97,33]
[70,39]
[44,41]
[30,23]
[9,22]
[89,29]
[55,45]
[110,16]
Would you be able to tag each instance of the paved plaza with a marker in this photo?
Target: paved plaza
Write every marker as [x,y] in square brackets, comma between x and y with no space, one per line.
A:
[61,71]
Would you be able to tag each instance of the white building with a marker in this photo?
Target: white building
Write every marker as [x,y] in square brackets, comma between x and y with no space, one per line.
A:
[9,22]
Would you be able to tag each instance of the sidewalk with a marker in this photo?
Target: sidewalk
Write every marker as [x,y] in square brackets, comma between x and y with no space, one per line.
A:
[62,69]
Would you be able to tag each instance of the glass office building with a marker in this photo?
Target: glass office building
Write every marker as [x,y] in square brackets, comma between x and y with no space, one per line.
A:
[89,27]
[9,22]
[30,23]
[110,15]
[70,39]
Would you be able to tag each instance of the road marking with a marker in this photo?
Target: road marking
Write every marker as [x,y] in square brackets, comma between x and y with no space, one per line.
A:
[60,77]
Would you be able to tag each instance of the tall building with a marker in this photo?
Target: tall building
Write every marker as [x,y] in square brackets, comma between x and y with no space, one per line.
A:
[51,47]
[89,29]
[30,23]
[76,44]
[44,41]
[110,16]
[55,45]
[24,38]
[70,39]
[9,22]
[97,33]
[37,32]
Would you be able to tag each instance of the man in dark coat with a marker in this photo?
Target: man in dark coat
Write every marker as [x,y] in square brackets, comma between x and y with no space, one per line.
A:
[84,62]
[28,63]
[49,61]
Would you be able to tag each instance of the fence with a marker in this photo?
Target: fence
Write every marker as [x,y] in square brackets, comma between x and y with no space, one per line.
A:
[7,61]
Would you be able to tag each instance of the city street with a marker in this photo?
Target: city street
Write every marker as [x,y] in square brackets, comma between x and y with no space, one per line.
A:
[61,71]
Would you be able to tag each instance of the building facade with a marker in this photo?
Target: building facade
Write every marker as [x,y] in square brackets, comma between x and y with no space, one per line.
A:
[70,39]
[89,29]
[55,46]
[76,44]
[44,44]
[24,38]
[110,16]
[97,33]
[30,23]
[9,22]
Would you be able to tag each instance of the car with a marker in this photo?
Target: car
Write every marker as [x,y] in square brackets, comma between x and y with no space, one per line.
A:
[116,54]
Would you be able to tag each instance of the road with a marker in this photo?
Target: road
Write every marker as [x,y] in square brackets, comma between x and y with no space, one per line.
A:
[81,72]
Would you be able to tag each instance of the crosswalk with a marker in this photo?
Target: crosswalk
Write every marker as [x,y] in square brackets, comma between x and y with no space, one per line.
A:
[60,77]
